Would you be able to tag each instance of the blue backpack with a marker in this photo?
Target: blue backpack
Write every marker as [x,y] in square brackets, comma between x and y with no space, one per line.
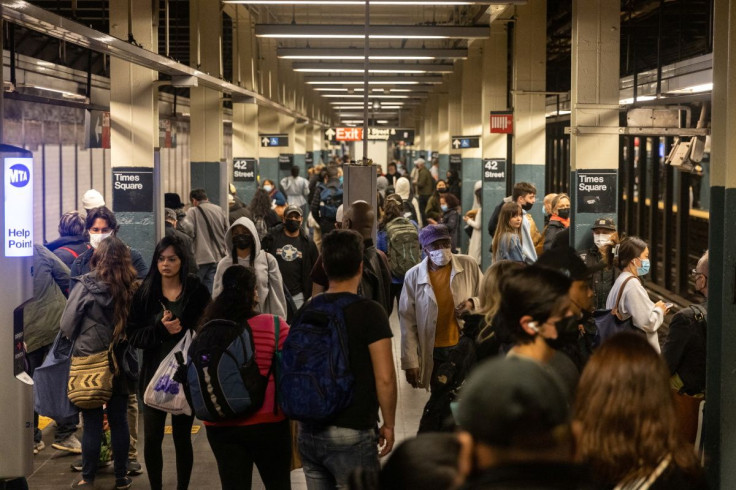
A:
[315,378]
[222,378]
[330,198]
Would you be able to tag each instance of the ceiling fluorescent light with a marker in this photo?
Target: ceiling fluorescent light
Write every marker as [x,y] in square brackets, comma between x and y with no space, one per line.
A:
[338,80]
[374,54]
[371,96]
[327,31]
[416,3]
[416,68]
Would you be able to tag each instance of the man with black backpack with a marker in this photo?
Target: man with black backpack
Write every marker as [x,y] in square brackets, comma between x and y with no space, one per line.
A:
[327,198]
[337,370]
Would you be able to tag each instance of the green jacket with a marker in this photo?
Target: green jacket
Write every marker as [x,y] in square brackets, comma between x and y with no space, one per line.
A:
[42,314]
[425,182]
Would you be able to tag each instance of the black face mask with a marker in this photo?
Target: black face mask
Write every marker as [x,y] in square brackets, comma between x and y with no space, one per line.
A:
[563,213]
[527,206]
[242,242]
[291,225]
[567,332]
[442,190]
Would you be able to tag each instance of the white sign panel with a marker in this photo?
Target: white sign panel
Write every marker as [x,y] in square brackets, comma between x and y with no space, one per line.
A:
[18,230]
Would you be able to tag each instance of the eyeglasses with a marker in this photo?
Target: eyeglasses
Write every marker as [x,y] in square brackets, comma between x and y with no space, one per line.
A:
[694,274]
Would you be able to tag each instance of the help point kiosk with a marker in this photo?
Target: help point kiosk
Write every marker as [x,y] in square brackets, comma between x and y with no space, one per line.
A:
[16,260]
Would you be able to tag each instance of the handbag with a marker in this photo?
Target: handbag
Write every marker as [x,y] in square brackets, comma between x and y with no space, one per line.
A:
[50,382]
[468,231]
[91,379]
[163,391]
[609,323]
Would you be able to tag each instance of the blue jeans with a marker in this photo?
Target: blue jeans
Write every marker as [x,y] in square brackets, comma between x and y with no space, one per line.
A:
[330,454]
[117,417]
[206,273]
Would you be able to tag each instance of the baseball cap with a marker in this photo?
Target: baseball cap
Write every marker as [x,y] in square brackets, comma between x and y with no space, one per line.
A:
[432,233]
[293,209]
[567,261]
[604,223]
[512,401]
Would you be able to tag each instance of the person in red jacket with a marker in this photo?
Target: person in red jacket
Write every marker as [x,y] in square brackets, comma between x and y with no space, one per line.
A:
[263,438]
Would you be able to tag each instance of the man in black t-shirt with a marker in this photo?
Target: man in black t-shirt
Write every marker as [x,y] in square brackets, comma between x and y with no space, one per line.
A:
[352,439]
[294,252]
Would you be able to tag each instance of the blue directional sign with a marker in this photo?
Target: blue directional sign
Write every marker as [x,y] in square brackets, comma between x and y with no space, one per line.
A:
[461,142]
[273,140]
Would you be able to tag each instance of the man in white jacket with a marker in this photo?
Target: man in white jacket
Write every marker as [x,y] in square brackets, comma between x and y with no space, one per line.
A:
[437,291]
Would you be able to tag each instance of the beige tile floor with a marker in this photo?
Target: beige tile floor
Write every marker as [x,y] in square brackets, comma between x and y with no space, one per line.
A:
[51,467]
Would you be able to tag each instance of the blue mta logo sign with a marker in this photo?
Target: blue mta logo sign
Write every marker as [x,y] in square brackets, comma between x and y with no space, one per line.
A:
[19,175]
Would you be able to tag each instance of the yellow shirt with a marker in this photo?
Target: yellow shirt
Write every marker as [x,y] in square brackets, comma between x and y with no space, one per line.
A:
[447,331]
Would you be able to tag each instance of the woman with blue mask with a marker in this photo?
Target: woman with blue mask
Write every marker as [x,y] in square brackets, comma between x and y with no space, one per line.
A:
[633,261]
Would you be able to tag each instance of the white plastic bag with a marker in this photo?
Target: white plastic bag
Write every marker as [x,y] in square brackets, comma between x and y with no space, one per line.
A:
[163,393]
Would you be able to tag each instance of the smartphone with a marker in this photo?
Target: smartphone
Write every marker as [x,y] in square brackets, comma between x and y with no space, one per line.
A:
[163,306]
[669,305]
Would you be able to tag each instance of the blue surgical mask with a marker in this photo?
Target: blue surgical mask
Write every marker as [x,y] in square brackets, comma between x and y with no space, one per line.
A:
[444,208]
[643,270]
[341,179]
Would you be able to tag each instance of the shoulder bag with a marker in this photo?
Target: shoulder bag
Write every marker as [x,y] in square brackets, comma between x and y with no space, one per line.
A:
[609,322]
[91,378]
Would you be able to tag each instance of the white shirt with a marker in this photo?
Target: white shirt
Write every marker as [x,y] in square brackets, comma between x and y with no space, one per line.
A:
[635,304]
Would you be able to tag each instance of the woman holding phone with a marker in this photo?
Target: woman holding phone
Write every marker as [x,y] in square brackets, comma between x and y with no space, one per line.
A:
[168,303]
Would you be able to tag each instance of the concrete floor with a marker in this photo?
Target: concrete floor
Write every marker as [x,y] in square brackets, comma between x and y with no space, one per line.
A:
[52,471]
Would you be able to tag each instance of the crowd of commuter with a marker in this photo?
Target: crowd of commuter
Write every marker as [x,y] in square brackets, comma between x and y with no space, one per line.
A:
[269,321]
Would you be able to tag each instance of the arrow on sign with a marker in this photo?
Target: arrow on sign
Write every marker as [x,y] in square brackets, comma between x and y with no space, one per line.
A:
[330,133]
[98,130]
[456,144]
[264,141]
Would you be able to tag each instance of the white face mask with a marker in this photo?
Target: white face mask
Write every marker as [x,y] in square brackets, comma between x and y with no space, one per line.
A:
[267,188]
[96,238]
[601,239]
[440,257]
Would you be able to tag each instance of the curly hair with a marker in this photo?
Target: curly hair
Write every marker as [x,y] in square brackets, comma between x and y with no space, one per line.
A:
[260,205]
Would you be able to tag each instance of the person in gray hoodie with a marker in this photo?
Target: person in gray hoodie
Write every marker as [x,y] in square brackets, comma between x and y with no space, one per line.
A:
[245,249]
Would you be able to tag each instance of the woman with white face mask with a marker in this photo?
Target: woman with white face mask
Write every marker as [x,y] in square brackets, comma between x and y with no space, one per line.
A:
[633,262]
[437,292]
[605,239]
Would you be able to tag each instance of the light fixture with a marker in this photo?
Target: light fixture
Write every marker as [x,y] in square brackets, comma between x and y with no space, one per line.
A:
[375,54]
[64,93]
[329,31]
[383,90]
[338,80]
[415,3]
[694,89]
[640,98]
[372,68]
[370,96]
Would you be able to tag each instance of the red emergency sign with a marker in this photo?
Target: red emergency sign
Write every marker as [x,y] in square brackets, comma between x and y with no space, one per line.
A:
[502,122]
[349,134]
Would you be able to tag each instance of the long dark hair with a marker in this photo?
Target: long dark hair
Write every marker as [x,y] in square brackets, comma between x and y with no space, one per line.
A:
[235,302]
[260,205]
[112,265]
[151,287]
[627,412]
[629,249]
[392,209]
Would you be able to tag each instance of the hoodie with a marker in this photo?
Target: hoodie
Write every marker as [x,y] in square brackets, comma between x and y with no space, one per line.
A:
[269,284]
[88,315]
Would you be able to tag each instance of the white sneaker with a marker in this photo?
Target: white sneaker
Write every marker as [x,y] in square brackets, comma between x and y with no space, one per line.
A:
[38,447]
[70,444]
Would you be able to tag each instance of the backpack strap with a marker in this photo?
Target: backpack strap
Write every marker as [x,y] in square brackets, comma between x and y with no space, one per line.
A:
[614,310]
[275,362]
[213,240]
[74,254]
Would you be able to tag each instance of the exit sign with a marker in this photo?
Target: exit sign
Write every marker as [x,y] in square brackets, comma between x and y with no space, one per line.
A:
[502,122]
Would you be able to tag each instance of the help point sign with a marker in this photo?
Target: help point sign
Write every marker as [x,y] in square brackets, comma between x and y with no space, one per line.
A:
[18,182]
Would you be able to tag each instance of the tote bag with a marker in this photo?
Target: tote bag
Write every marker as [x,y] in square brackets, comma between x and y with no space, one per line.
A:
[50,381]
[163,392]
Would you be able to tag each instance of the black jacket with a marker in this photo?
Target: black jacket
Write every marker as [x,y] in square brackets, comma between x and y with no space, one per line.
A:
[685,348]
[309,255]
[145,330]
[81,263]
[534,475]
[554,227]
[238,210]
[68,248]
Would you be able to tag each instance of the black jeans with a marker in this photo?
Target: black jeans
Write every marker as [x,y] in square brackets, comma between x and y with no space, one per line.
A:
[64,427]
[153,435]
[266,445]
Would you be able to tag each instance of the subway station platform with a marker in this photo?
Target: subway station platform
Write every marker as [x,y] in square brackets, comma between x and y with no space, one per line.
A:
[51,468]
